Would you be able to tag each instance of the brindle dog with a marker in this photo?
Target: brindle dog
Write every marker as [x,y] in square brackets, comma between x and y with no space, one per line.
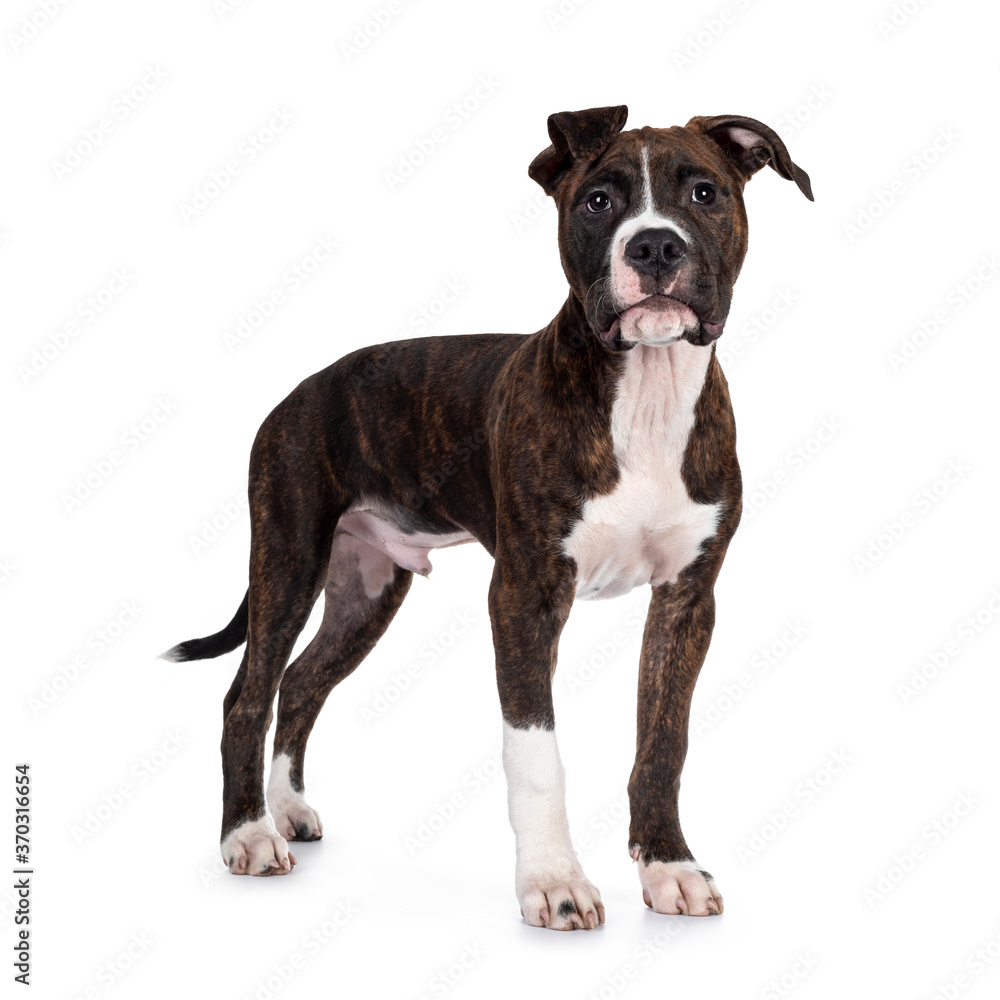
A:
[591,457]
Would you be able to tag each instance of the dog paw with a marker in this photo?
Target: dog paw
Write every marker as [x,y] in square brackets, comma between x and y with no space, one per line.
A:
[561,902]
[678,887]
[294,820]
[256,848]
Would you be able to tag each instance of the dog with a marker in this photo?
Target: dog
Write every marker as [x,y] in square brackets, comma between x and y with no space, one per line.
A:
[592,457]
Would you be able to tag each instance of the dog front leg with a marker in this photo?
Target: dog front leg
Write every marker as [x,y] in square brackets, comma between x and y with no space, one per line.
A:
[527,619]
[674,644]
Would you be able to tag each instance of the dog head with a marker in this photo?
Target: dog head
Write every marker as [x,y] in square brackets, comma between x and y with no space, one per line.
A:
[652,225]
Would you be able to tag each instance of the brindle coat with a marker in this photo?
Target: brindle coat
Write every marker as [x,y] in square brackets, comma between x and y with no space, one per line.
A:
[503,437]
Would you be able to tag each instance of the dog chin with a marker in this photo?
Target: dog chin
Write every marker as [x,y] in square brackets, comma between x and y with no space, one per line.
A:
[658,323]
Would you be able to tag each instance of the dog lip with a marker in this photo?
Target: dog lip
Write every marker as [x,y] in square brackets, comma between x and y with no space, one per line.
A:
[660,301]
[657,301]
[609,334]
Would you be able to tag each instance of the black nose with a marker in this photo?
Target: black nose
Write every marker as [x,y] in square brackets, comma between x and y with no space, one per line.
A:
[655,251]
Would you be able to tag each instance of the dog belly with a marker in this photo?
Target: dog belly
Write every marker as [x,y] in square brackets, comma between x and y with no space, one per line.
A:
[408,549]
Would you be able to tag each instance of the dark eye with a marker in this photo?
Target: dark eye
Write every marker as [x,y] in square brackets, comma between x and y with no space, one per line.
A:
[704,194]
[598,202]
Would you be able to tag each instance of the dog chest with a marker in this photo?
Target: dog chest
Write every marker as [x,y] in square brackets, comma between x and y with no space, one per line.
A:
[648,528]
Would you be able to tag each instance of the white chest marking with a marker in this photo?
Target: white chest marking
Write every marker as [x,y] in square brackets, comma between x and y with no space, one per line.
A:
[648,528]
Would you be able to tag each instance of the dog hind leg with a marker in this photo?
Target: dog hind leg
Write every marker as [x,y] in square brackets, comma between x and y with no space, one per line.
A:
[364,590]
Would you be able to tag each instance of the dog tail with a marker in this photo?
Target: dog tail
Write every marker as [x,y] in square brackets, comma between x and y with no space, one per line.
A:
[233,635]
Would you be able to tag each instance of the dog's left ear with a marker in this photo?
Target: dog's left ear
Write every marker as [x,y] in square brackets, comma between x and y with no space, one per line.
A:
[751,144]
[575,135]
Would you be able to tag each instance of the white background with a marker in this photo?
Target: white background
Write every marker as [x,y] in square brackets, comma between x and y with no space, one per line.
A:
[861,106]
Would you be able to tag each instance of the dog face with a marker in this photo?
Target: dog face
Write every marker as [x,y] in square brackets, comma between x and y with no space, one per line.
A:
[652,225]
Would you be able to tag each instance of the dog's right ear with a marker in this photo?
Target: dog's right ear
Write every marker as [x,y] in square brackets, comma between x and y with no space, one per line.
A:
[575,135]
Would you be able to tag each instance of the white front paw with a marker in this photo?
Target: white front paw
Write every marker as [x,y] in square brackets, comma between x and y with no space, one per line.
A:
[559,897]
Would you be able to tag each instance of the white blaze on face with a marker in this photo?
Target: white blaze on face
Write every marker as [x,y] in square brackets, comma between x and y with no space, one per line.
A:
[660,321]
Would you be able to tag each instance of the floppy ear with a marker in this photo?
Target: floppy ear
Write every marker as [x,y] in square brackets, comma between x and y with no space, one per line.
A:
[751,144]
[575,135]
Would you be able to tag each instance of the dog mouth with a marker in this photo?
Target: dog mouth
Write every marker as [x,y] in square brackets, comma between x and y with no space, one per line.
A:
[620,332]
